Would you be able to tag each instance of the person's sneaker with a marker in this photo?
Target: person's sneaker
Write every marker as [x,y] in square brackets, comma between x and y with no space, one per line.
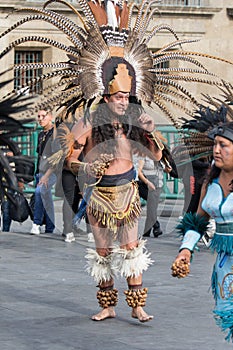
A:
[69,237]
[157,232]
[90,237]
[157,229]
[35,229]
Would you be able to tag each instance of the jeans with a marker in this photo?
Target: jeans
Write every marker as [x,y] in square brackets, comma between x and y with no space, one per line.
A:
[6,220]
[44,203]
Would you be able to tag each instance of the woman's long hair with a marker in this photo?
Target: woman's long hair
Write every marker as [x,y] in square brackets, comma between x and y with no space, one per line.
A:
[214,174]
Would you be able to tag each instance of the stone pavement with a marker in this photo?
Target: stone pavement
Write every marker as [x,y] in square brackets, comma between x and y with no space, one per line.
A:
[47,298]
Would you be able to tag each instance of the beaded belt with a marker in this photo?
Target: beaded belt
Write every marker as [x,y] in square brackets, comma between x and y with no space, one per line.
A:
[225,228]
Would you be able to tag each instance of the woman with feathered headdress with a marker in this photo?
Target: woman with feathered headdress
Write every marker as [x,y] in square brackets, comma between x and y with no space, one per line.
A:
[216,202]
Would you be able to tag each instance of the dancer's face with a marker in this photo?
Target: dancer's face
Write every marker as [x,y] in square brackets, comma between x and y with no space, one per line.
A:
[118,103]
[223,153]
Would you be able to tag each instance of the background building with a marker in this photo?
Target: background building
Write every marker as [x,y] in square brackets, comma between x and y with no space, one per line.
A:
[210,21]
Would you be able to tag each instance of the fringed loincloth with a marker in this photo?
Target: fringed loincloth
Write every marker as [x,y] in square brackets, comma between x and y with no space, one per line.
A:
[116,206]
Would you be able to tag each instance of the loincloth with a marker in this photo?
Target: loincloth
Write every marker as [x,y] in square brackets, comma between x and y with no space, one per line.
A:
[116,206]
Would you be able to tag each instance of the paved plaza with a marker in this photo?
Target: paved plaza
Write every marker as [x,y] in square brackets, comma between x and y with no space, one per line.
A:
[47,298]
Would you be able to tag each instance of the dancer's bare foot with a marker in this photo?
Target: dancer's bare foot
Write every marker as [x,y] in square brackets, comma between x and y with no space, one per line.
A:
[103,314]
[141,315]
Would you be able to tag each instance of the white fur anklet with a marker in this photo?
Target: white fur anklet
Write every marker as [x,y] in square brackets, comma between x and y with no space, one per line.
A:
[99,267]
[131,263]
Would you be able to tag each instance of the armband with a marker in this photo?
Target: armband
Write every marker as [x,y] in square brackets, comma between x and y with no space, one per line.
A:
[193,222]
[76,166]
[96,168]
[153,138]
[190,240]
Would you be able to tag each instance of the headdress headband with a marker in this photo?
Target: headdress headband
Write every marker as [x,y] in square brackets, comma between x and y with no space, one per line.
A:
[216,119]
[222,131]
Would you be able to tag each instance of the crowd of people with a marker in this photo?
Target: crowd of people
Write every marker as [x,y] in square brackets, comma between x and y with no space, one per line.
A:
[69,186]
[45,179]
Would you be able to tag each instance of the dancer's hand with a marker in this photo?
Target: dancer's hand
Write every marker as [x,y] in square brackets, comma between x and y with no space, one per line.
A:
[184,254]
[98,167]
[181,266]
[146,122]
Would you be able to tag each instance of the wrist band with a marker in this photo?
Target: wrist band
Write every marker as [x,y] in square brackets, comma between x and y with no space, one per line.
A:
[84,167]
[155,129]
[152,137]
[190,239]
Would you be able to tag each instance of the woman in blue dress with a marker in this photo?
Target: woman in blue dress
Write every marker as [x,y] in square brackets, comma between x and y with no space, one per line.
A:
[216,202]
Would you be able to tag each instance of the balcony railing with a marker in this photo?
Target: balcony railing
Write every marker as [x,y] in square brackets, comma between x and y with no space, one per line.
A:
[186,3]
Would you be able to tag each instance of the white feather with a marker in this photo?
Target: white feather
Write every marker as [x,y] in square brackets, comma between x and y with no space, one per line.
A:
[111,14]
[131,263]
[99,267]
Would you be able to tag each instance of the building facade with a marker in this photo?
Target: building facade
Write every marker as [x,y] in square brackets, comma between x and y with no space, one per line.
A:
[209,21]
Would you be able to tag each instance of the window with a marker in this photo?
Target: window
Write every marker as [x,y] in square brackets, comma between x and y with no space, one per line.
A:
[22,77]
[162,65]
[71,1]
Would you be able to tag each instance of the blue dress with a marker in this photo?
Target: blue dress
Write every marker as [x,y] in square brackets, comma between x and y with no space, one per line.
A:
[221,209]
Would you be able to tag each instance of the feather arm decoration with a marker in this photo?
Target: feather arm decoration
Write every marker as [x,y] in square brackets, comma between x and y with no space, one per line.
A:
[194,222]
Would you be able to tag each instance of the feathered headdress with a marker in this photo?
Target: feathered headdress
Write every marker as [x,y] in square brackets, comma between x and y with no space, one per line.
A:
[198,133]
[10,127]
[106,39]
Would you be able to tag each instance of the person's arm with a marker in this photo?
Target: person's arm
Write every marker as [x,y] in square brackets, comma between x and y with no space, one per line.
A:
[142,177]
[199,222]
[45,178]
[146,122]
[82,134]
[168,163]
